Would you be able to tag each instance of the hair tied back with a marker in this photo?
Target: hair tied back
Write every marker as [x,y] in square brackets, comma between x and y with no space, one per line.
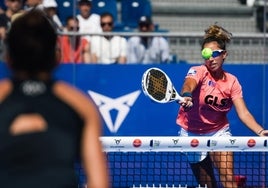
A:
[218,32]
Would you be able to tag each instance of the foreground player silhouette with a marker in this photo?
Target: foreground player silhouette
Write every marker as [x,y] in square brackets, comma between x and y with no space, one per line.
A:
[45,124]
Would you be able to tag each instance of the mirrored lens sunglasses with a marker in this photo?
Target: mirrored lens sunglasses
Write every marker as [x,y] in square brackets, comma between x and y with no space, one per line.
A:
[216,53]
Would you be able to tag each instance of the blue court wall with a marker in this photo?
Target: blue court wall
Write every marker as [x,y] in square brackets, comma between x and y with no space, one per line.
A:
[126,111]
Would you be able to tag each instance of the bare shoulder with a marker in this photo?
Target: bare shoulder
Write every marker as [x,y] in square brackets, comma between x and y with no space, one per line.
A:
[75,98]
[5,88]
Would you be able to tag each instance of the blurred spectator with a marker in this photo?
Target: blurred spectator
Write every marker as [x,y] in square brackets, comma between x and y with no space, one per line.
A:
[147,49]
[12,7]
[250,3]
[33,4]
[89,23]
[73,48]
[50,8]
[108,49]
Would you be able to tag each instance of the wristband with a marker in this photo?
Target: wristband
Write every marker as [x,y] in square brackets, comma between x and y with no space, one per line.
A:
[187,94]
[260,131]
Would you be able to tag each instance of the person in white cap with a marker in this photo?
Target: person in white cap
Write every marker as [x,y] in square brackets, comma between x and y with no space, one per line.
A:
[50,8]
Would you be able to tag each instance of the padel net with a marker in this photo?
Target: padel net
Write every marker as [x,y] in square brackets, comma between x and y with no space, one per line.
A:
[162,161]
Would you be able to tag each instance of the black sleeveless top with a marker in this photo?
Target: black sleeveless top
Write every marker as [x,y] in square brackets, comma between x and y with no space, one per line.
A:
[38,159]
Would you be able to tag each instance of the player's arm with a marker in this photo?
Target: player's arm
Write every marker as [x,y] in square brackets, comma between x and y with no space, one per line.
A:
[94,160]
[188,87]
[246,117]
[5,88]
[93,157]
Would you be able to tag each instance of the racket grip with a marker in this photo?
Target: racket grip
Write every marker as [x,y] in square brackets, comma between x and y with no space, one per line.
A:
[181,99]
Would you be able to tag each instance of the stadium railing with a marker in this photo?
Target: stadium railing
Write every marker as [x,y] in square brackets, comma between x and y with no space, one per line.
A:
[244,48]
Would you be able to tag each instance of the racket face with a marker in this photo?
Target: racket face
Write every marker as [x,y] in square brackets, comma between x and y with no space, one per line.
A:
[157,85]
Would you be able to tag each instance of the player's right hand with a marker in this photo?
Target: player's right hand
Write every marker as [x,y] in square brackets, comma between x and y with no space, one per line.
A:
[187,103]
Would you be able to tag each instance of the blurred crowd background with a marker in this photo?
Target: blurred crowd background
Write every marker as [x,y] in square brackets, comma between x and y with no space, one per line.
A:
[146,31]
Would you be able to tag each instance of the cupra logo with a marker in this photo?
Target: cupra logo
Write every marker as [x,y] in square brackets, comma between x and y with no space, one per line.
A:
[121,104]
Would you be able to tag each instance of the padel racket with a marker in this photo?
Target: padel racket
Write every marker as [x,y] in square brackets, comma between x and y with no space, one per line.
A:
[157,86]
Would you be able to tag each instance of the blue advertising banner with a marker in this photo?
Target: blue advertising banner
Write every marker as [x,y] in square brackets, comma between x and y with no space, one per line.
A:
[126,111]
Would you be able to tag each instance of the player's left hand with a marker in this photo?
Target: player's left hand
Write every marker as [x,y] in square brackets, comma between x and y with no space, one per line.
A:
[264,133]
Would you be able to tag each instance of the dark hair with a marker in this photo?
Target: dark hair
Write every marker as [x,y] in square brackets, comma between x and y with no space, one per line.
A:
[31,43]
[107,14]
[85,2]
[71,17]
[218,34]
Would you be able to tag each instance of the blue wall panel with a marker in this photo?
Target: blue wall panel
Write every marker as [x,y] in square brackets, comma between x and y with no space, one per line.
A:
[126,111]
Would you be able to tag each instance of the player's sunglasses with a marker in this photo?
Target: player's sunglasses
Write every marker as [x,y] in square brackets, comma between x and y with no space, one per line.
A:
[217,53]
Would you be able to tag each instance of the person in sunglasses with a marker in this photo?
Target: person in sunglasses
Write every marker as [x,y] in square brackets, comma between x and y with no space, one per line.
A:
[210,92]
[108,49]
[73,48]
[147,49]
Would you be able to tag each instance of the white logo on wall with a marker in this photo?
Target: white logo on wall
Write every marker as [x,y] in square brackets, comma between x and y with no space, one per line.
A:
[121,104]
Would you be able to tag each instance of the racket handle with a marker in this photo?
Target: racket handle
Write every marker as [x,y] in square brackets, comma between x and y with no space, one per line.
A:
[185,94]
[180,98]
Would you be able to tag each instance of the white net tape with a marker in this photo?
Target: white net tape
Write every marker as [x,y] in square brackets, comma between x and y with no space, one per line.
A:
[181,144]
